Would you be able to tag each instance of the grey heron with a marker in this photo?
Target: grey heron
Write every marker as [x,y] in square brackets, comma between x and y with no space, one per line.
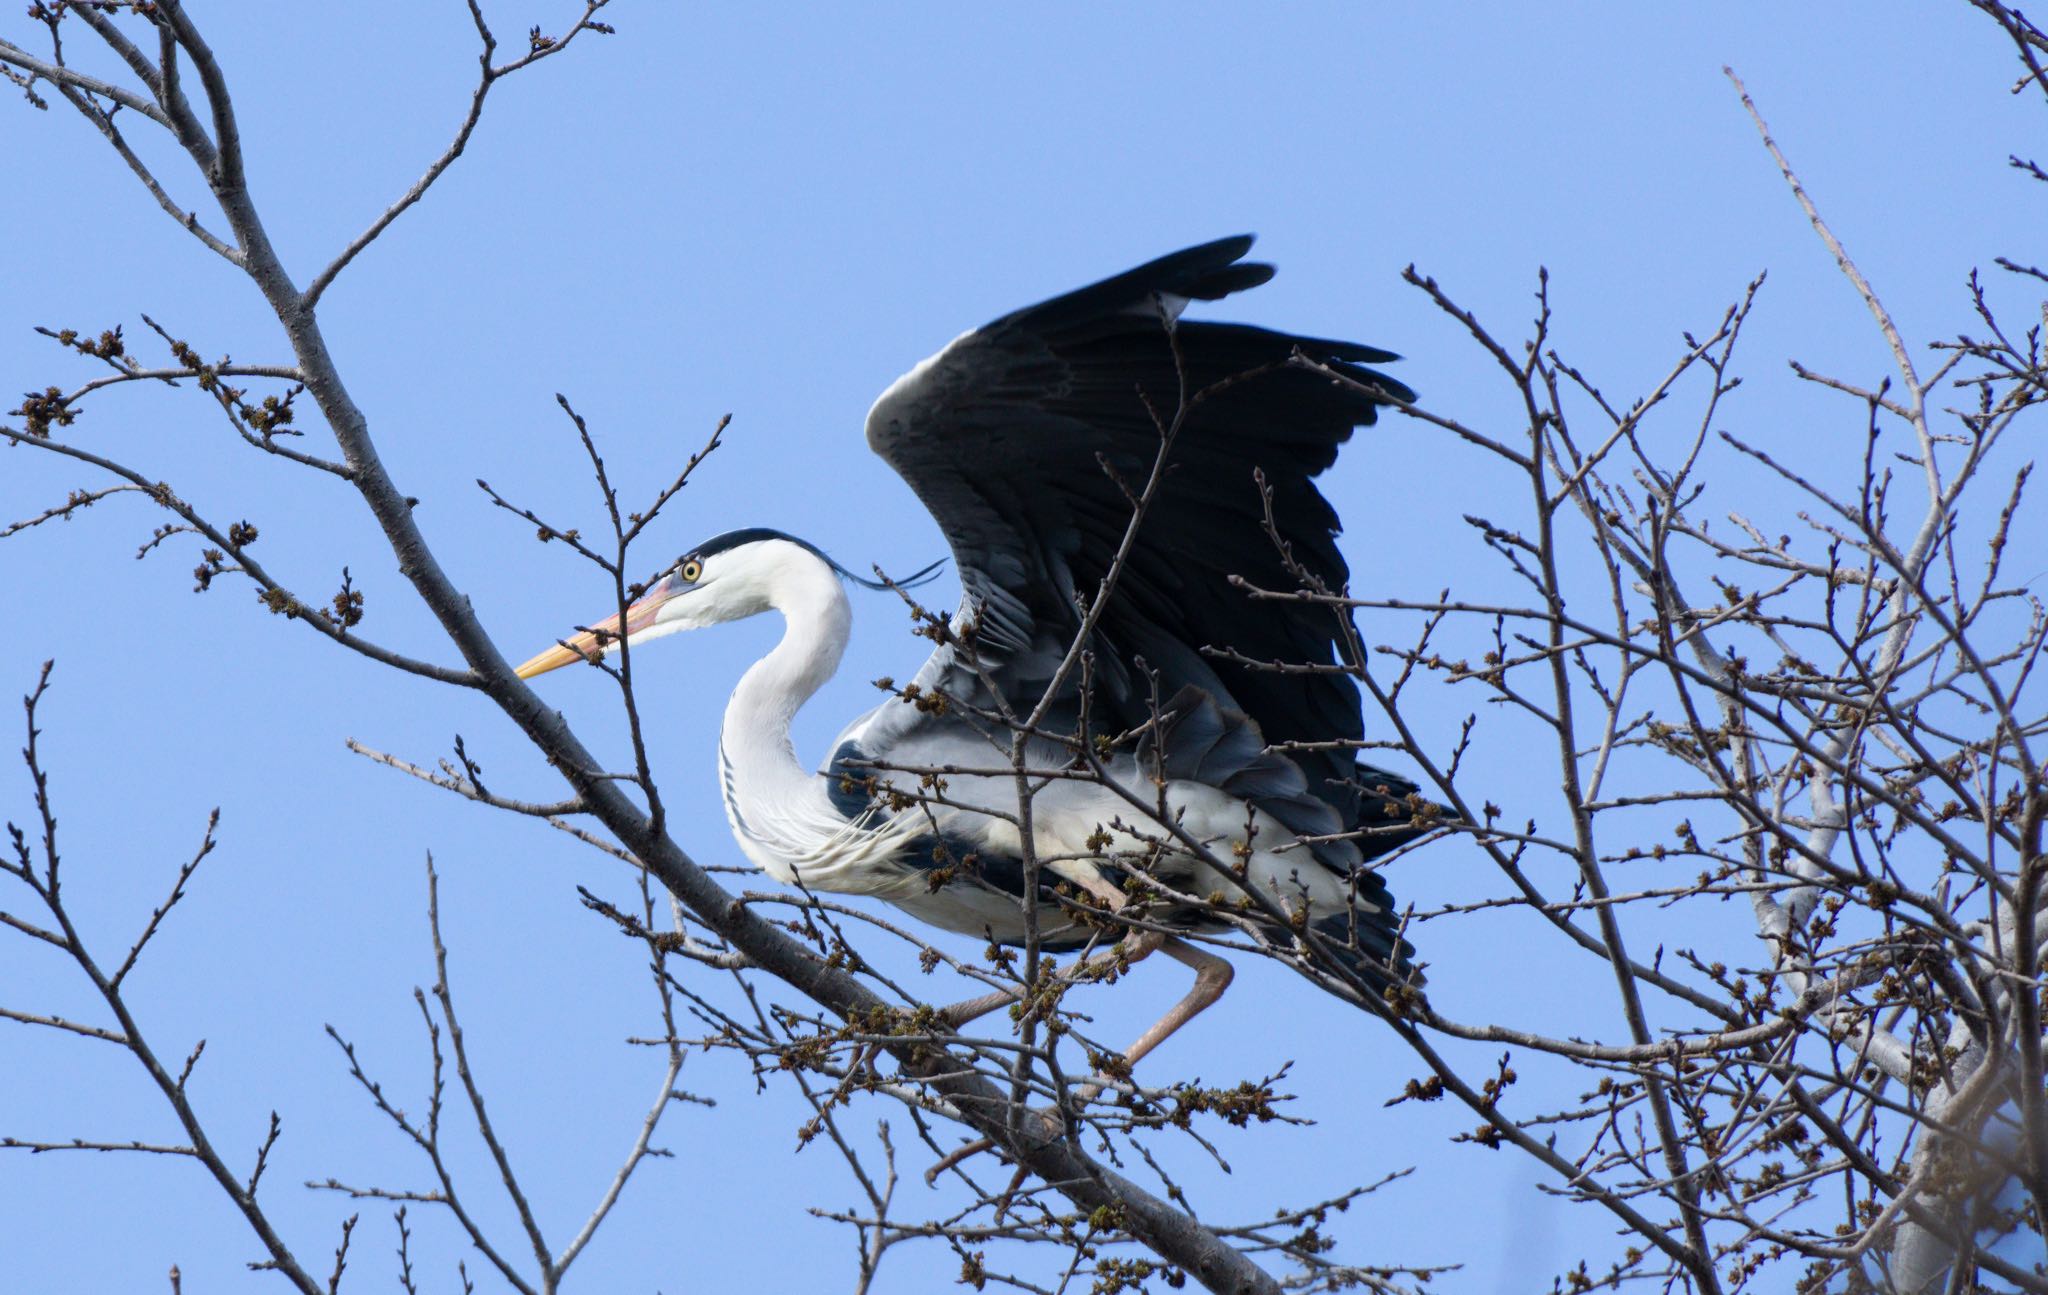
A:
[1026,439]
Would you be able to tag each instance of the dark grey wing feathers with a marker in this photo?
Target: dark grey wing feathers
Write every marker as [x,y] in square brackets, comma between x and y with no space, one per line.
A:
[1003,436]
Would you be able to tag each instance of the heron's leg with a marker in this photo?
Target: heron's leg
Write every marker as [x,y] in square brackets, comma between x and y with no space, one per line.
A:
[1212,974]
[1132,947]
[1212,977]
[960,1013]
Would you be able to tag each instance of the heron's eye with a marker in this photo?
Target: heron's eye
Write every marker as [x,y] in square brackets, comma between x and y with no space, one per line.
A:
[691,570]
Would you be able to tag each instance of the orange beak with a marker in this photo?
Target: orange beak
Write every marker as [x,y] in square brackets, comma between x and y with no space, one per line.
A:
[591,644]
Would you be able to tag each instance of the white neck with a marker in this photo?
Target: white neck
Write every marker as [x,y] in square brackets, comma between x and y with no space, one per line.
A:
[779,809]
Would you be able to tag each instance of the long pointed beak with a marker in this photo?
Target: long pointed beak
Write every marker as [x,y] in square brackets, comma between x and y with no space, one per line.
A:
[590,644]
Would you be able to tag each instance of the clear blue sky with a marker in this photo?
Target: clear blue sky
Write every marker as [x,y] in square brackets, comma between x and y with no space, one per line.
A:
[772,211]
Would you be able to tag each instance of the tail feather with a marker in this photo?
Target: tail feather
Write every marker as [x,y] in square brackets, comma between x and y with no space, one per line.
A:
[1199,739]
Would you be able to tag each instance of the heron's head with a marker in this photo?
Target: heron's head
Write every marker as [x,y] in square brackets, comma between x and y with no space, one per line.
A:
[726,578]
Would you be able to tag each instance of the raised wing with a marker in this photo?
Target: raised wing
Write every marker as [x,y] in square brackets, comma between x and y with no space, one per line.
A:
[1006,436]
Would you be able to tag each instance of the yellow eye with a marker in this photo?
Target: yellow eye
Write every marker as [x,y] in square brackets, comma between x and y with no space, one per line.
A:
[691,570]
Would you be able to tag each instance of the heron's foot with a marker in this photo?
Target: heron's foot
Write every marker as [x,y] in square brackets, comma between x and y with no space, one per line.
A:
[1044,1121]
[1100,965]
[864,1058]
[960,1013]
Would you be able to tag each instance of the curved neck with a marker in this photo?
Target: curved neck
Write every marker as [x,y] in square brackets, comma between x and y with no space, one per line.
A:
[766,790]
